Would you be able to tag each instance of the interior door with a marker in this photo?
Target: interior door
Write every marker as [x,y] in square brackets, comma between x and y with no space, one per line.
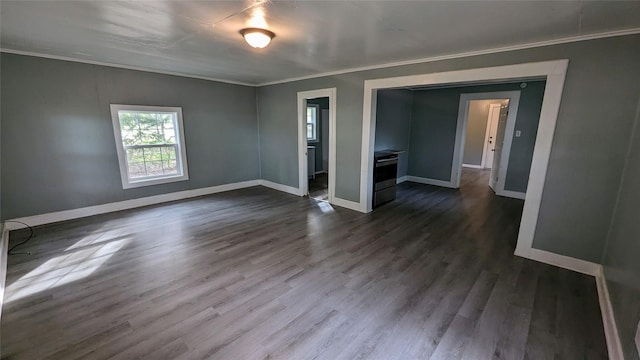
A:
[497,150]
[494,114]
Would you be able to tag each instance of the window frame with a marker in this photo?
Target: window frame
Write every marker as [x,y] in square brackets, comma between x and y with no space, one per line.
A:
[315,125]
[181,153]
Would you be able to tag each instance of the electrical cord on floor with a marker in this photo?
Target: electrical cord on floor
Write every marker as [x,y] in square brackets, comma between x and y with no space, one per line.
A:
[10,252]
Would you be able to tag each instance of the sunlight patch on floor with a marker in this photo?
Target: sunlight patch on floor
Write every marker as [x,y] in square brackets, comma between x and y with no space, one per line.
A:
[325,207]
[63,269]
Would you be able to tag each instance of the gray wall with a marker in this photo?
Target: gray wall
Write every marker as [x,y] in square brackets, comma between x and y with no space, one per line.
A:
[393,124]
[621,258]
[586,157]
[58,147]
[434,123]
[433,133]
[323,142]
[478,119]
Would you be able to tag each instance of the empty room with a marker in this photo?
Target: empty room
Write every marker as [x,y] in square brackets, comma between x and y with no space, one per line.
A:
[265,179]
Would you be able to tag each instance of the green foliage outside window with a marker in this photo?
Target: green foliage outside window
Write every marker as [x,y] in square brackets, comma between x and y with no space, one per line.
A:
[149,140]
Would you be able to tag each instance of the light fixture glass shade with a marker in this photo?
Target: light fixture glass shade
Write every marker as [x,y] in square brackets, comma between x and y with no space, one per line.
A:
[257,38]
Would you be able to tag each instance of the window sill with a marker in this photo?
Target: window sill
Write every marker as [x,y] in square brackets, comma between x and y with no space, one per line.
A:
[154,181]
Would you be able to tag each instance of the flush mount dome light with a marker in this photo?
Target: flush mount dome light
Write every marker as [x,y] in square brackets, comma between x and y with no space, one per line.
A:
[257,38]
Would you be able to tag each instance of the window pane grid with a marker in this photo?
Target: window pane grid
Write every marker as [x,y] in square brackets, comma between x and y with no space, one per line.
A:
[312,119]
[152,161]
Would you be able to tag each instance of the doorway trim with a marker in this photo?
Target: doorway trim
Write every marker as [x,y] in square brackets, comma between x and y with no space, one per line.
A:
[303,181]
[554,71]
[461,134]
[485,151]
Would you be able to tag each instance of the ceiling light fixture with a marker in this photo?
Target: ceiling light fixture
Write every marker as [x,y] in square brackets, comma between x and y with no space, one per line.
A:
[257,38]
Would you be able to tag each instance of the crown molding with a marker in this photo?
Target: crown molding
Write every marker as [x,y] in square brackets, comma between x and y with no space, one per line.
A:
[565,40]
[462,55]
[137,68]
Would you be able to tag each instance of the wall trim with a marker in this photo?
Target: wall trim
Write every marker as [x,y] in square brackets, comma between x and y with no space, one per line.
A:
[428,181]
[401,179]
[471,166]
[614,346]
[512,194]
[562,261]
[4,249]
[280,187]
[352,205]
[58,216]
[565,40]
[119,66]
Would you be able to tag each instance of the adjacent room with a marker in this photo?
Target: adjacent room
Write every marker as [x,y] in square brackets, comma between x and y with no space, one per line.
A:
[319,180]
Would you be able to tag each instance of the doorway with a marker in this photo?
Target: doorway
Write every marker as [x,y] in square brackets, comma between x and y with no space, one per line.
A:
[553,71]
[317,128]
[316,151]
[488,121]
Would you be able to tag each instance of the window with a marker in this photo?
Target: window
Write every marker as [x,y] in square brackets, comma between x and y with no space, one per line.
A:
[312,122]
[150,144]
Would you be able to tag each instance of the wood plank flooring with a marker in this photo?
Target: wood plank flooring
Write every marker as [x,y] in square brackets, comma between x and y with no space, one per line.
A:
[319,186]
[259,274]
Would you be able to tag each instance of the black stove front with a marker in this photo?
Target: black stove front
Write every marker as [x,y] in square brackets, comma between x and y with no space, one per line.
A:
[385,171]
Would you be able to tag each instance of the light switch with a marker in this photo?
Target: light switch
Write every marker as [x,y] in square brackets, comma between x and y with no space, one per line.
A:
[518,133]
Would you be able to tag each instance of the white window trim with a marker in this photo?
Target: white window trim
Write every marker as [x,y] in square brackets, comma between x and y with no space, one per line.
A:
[122,156]
[315,126]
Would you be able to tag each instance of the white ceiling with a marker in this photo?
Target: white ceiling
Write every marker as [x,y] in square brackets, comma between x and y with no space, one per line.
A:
[200,38]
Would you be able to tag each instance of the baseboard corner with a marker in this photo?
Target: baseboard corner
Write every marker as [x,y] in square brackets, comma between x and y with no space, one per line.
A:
[280,187]
[614,346]
[351,205]
[565,262]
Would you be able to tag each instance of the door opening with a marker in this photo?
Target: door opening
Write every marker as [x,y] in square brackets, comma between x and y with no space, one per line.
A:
[317,128]
[316,151]
[498,144]
[490,117]
[490,137]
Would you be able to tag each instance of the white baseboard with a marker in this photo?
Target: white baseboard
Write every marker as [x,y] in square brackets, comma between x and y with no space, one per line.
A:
[614,346]
[321,172]
[280,187]
[512,194]
[58,216]
[347,204]
[4,249]
[473,166]
[435,182]
[401,179]
[565,262]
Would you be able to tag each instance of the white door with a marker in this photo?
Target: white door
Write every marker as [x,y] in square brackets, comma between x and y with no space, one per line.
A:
[490,141]
[497,150]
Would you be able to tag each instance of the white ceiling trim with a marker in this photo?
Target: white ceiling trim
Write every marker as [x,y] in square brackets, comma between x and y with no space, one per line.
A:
[343,71]
[464,54]
[102,63]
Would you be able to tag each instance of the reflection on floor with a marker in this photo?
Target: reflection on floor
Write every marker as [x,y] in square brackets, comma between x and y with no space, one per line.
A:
[318,187]
[257,274]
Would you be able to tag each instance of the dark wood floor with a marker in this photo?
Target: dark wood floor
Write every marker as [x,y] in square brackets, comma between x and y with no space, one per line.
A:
[259,274]
[319,187]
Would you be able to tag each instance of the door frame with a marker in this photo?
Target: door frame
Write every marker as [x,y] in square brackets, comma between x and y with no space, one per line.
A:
[303,180]
[554,71]
[485,149]
[461,134]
